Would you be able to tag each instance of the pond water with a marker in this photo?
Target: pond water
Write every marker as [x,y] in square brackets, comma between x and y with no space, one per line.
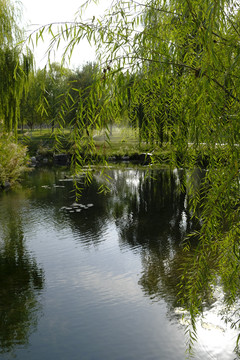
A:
[98,281]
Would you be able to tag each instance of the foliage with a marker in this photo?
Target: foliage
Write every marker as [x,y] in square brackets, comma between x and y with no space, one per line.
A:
[30,113]
[14,64]
[10,32]
[54,87]
[56,95]
[13,160]
[79,87]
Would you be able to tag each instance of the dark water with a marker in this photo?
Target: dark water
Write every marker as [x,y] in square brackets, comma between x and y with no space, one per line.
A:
[98,283]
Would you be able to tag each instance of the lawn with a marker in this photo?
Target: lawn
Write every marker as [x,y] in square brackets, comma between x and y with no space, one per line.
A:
[122,142]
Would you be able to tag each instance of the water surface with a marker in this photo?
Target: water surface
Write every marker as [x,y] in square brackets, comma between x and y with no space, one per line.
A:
[97,282]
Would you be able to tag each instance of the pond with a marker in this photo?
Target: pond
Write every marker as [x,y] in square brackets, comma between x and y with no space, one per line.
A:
[97,280]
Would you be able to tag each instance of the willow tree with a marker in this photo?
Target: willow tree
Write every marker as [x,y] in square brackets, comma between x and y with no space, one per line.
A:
[14,67]
[14,64]
[186,57]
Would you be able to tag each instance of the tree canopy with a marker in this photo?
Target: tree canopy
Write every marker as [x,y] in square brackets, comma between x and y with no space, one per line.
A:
[15,64]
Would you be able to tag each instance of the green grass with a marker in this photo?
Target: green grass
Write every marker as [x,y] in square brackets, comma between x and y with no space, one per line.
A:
[123,141]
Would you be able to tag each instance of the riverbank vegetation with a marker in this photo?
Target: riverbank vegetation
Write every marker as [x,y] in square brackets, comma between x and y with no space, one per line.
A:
[13,161]
[169,72]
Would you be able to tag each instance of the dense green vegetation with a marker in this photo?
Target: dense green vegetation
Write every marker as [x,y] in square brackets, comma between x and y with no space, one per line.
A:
[15,65]
[170,71]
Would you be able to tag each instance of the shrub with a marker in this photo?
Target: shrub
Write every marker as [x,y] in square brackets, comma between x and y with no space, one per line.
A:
[13,160]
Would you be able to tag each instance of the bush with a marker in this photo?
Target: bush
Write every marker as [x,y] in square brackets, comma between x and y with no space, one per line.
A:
[13,160]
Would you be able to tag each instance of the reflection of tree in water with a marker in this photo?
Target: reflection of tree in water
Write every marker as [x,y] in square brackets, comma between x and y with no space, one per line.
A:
[152,212]
[89,225]
[54,190]
[20,282]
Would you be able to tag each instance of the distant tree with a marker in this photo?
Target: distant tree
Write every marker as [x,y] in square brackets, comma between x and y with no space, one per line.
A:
[30,113]
[55,88]
[80,84]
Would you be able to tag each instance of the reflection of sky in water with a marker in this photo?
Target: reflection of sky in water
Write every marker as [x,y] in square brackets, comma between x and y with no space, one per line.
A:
[92,302]
[133,179]
[215,337]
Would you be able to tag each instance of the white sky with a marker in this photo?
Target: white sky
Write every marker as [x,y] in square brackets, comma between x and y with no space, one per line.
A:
[42,12]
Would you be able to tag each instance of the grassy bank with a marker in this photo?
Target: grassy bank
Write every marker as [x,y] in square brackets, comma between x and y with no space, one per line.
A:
[122,144]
